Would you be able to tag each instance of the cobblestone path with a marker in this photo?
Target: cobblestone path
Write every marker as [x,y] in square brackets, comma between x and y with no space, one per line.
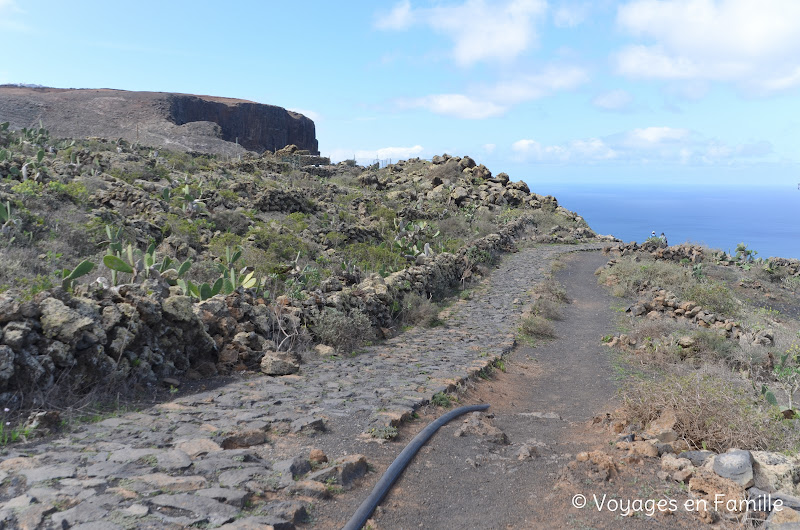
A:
[238,456]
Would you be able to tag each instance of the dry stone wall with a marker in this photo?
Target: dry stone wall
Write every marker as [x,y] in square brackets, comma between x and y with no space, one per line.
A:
[136,335]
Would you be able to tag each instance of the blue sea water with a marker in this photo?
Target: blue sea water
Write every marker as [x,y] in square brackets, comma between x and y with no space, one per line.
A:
[766,219]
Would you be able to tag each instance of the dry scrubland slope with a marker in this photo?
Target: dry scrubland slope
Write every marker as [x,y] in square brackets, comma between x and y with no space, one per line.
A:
[715,339]
[125,264]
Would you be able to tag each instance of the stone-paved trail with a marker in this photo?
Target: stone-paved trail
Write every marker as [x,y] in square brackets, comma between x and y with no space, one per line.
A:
[238,456]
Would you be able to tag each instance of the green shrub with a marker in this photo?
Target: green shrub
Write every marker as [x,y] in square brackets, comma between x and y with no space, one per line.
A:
[296,222]
[345,332]
[629,275]
[441,400]
[30,188]
[509,215]
[537,327]
[220,242]
[419,310]
[282,247]
[713,343]
[451,245]
[551,289]
[231,221]
[384,432]
[74,191]
[190,230]
[713,296]
[475,256]
[228,195]
[549,309]
[374,258]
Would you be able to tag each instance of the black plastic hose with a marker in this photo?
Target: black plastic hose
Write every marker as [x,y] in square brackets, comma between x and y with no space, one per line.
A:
[392,473]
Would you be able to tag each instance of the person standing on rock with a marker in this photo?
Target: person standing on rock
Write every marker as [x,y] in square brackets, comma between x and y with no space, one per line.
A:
[663,239]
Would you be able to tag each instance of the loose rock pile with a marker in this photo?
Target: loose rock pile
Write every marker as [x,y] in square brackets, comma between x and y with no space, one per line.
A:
[760,484]
[694,254]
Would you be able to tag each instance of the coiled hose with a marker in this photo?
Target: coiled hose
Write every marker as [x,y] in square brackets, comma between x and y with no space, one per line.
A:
[393,471]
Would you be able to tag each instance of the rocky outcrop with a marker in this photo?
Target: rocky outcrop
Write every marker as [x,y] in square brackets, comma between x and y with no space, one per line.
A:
[254,126]
[177,121]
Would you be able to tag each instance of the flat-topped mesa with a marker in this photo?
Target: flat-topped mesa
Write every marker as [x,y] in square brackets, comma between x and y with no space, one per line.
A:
[177,121]
[254,126]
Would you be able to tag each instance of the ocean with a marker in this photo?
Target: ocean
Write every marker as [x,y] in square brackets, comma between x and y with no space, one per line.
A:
[766,219]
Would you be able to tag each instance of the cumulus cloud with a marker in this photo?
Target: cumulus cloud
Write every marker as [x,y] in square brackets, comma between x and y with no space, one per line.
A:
[534,86]
[489,148]
[666,144]
[592,149]
[456,105]
[655,135]
[478,30]
[383,153]
[489,101]
[570,15]
[399,18]
[753,44]
[615,100]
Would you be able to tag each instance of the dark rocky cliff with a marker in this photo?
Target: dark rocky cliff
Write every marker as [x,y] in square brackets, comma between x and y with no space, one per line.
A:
[254,126]
[178,121]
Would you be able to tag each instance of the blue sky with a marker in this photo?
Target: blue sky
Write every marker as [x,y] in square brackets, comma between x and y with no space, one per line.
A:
[671,92]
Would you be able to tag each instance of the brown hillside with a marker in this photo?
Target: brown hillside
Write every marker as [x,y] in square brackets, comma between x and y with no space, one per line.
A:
[178,121]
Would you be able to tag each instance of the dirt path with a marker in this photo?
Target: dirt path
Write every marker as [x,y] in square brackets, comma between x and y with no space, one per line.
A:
[469,481]
[544,404]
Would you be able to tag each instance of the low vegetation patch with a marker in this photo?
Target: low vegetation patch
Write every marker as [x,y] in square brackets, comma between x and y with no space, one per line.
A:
[549,309]
[628,275]
[713,413]
[714,296]
[344,332]
[732,377]
[417,309]
[537,327]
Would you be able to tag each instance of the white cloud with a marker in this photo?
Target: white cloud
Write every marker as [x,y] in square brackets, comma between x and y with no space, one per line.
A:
[399,18]
[366,156]
[617,100]
[8,12]
[489,101]
[654,135]
[570,15]
[790,80]
[665,144]
[534,86]
[654,62]
[489,148]
[479,30]
[456,105]
[754,44]
[592,149]
[9,6]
